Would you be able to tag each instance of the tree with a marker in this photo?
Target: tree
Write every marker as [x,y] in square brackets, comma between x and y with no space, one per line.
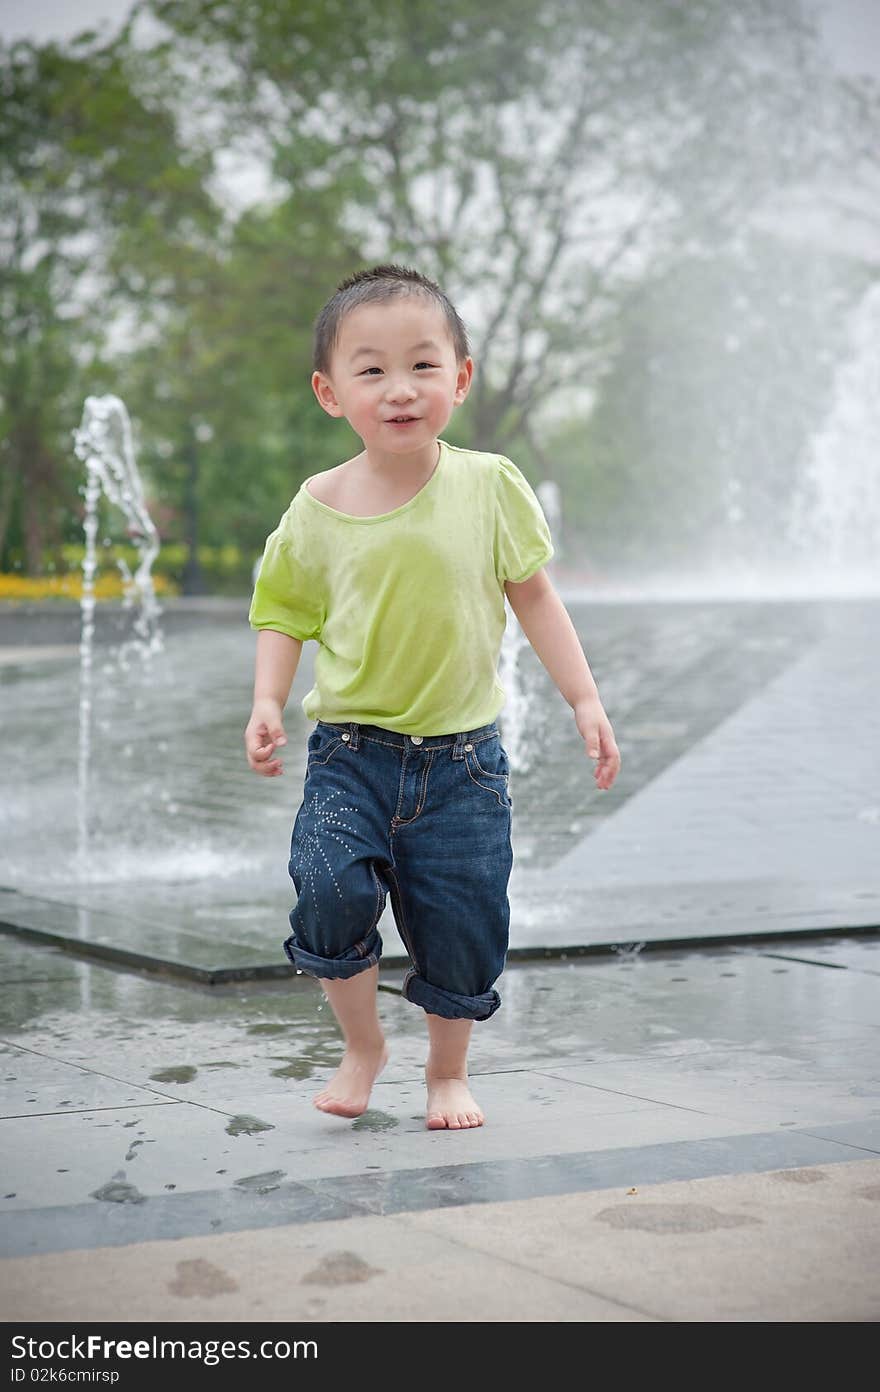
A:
[538,159]
[96,196]
[227,420]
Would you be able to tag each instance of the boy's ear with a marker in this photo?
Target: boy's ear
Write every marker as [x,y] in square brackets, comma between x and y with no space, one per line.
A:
[323,389]
[463,380]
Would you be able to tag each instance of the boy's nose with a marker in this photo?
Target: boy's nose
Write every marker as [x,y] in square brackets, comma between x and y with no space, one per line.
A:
[400,391]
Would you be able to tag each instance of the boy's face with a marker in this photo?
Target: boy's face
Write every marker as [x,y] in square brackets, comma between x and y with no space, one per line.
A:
[394,375]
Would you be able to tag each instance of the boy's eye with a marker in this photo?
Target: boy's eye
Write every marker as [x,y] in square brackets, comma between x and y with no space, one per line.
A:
[369,370]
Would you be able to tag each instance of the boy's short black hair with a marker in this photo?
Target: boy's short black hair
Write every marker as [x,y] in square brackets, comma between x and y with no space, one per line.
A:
[377,285]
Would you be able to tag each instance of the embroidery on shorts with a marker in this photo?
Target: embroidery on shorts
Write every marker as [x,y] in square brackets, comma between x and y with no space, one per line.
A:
[323,821]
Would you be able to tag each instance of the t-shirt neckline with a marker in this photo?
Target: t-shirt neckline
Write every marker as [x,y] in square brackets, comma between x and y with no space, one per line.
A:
[380,516]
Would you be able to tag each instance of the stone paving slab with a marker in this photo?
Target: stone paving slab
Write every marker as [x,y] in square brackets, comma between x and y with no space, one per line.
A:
[592,1075]
[187,1149]
[837,954]
[34,1085]
[368,1269]
[263,1199]
[798,1244]
[758,1092]
[783,789]
[863,1134]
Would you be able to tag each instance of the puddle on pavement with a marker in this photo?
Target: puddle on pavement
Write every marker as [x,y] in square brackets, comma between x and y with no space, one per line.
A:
[182,1073]
[261,1183]
[599,1009]
[294,1068]
[118,1190]
[341,1269]
[374,1121]
[247,1126]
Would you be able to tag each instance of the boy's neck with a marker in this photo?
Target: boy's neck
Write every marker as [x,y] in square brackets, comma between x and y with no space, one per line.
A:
[419,463]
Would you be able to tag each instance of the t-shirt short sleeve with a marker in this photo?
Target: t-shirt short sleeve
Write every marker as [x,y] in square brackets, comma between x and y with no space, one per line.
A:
[522,536]
[287,593]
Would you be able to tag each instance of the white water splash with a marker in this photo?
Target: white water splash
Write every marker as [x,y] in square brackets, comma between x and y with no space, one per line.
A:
[835,520]
[104,444]
[514,712]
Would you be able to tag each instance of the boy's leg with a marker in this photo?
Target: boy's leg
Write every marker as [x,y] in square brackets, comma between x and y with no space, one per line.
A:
[353,1001]
[450,1103]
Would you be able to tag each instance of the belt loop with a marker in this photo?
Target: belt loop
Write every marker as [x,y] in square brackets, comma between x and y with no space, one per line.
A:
[458,747]
[355,734]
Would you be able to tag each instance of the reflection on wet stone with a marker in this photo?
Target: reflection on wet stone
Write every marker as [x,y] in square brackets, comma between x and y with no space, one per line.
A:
[374,1121]
[296,1068]
[801,1176]
[341,1269]
[247,1126]
[200,1277]
[261,1183]
[117,1190]
[182,1073]
[674,1218]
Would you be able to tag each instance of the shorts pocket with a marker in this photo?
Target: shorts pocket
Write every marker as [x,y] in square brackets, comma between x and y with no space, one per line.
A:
[324,742]
[489,768]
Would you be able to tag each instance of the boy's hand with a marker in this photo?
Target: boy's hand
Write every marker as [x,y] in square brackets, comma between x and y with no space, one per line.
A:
[263,735]
[598,736]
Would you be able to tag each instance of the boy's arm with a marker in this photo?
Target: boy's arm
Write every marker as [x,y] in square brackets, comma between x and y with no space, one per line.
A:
[545,621]
[275,668]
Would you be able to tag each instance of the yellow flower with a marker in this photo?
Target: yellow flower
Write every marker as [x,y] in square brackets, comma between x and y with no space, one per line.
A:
[109,586]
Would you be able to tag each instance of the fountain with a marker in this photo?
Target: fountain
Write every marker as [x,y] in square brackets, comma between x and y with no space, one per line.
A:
[550,497]
[835,520]
[514,718]
[104,444]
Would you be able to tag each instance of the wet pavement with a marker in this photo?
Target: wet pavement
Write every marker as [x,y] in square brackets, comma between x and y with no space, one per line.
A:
[147,1117]
[683,1099]
[747,805]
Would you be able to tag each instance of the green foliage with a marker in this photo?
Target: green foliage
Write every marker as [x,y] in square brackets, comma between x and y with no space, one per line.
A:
[574,172]
[96,194]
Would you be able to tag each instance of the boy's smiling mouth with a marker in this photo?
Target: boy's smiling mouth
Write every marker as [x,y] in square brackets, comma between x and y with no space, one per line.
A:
[401,420]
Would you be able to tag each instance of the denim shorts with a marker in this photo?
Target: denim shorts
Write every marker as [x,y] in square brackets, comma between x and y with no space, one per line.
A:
[426,818]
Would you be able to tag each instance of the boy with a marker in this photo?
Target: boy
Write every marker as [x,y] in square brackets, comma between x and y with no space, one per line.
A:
[397,563]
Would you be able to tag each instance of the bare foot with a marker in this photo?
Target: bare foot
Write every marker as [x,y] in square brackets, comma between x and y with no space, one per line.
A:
[451,1106]
[348,1092]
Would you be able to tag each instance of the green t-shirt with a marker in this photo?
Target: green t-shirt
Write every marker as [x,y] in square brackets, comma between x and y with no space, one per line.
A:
[407,607]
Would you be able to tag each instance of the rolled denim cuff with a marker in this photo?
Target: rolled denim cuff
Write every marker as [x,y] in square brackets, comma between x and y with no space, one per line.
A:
[446,1003]
[363,955]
